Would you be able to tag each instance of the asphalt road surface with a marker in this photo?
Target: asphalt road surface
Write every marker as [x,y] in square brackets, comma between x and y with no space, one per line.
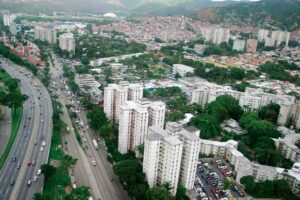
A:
[35,128]
[106,181]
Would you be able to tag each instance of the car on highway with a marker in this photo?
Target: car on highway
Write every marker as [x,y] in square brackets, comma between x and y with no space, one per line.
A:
[14,159]
[34,178]
[44,144]
[33,162]
[35,142]
[94,163]
[29,183]
[12,181]
[39,172]
[42,148]
[29,163]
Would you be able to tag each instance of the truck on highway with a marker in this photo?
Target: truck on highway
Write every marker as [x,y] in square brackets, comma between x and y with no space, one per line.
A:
[95,144]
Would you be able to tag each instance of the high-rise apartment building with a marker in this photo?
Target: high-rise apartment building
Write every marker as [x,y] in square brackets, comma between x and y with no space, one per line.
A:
[116,96]
[67,42]
[280,37]
[215,35]
[262,35]
[8,19]
[13,28]
[239,45]
[180,146]
[162,158]
[48,34]
[134,120]
[251,46]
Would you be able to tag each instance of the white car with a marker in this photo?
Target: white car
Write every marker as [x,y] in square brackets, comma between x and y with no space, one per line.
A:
[42,148]
[39,172]
[34,178]
[94,163]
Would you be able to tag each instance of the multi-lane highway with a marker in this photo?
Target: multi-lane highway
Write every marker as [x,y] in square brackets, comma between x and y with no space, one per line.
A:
[106,182]
[28,152]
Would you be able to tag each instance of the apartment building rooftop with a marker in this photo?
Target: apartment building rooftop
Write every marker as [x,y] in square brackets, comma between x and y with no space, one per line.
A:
[154,136]
[173,140]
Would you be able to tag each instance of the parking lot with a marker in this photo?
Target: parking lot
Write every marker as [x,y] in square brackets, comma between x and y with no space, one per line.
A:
[214,181]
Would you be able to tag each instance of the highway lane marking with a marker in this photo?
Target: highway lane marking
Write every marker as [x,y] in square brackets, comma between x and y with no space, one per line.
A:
[14,145]
[22,171]
[41,129]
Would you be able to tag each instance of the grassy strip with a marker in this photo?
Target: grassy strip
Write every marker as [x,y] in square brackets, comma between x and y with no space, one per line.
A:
[16,119]
[56,185]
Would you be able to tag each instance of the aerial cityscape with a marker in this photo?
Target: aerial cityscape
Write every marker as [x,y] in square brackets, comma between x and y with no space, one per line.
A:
[149,99]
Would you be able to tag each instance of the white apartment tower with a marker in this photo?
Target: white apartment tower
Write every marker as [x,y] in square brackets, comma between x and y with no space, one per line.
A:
[162,158]
[8,19]
[158,148]
[134,120]
[67,42]
[48,34]
[262,35]
[215,35]
[281,36]
[116,95]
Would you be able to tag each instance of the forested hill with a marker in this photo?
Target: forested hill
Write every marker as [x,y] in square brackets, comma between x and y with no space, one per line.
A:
[284,14]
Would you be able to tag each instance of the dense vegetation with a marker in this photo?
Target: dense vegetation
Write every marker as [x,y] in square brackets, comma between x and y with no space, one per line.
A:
[223,49]
[224,107]
[176,101]
[258,144]
[278,71]
[13,98]
[278,189]
[96,46]
[283,14]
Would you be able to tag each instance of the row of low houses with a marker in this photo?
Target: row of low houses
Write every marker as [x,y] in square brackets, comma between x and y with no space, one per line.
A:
[29,51]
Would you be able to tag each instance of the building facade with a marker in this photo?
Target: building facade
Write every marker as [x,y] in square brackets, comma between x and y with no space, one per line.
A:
[67,42]
[116,95]
[134,120]
[171,156]
[215,35]
[182,70]
[48,34]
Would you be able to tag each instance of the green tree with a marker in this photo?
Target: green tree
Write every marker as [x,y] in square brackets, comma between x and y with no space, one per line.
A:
[227,183]
[231,105]
[248,182]
[181,191]
[48,170]
[158,193]
[269,112]
[247,118]
[208,124]
[175,116]
[129,180]
[237,73]
[15,99]
[177,76]
[81,193]
[218,110]
[68,161]
[97,118]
